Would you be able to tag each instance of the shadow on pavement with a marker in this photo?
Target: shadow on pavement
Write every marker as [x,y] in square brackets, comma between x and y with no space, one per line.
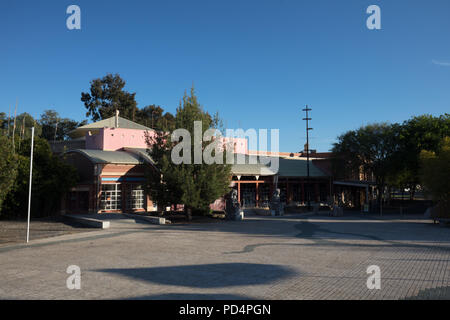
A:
[192,296]
[439,293]
[331,228]
[216,275]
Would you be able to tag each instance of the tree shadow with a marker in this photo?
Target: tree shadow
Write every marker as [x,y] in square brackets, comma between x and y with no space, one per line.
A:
[192,296]
[439,293]
[326,230]
[216,275]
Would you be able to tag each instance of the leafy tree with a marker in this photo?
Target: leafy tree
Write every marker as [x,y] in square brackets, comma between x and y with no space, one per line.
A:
[389,153]
[56,128]
[24,123]
[435,175]
[153,116]
[194,185]
[8,167]
[52,178]
[3,123]
[108,95]
[368,151]
[423,132]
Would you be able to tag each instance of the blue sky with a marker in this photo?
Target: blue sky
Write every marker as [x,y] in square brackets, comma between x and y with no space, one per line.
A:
[256,62]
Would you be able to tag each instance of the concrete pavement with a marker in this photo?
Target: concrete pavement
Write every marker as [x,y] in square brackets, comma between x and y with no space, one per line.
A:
[289,257]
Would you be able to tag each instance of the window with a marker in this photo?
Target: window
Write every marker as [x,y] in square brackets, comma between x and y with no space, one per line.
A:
[111,197]
[135,197]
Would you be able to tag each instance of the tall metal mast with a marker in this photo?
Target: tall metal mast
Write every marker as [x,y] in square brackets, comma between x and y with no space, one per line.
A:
[308,193]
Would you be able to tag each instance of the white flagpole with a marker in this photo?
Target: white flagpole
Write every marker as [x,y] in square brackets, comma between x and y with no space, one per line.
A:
[29,192]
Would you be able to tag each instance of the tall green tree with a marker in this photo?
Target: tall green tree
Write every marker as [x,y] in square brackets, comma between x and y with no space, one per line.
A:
[56,128]
[52,178]
[435,175]
[8,167]
[419,133]
[195,186]
[24,123]
[3,123]
[107,95]
[369,151]
[153,116]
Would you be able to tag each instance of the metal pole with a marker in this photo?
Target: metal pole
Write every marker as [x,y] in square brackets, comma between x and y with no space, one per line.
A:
[29,192]
[308,192]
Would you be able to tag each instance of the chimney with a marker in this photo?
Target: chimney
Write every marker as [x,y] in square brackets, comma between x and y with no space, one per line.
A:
[117,118]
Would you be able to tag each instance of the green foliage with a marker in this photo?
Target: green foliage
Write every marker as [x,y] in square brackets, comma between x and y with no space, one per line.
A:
[153,116]
[24,123]
[56,128]
[52,178]
[8,167]
[419,133]
[435,172]
[108,95]
[3,123]
[369,150]
[194,185]
[390,153]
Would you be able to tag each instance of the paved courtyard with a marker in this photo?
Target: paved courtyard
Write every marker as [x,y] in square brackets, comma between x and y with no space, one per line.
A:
[290,257]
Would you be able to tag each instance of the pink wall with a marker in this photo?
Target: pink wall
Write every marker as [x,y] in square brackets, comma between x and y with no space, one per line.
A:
[113,139]
[240,144]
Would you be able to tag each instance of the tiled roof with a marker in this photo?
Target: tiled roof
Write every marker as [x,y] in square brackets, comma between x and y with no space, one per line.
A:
[117,157]
[249,166]
[298,168]
[108,123]
[287,167]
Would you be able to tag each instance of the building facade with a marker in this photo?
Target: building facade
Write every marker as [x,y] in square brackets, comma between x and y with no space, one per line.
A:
[111,156]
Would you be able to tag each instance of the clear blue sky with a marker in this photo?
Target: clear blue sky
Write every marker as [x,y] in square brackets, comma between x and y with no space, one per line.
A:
[256,62]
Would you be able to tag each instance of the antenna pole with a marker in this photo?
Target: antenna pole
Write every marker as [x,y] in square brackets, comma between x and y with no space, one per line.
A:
[308,192]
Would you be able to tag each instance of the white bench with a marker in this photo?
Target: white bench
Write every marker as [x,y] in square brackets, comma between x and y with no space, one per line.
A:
[153,220]
[90,222]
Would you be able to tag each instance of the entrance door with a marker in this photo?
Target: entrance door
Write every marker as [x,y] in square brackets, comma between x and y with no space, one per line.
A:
[248,195]
[111,197]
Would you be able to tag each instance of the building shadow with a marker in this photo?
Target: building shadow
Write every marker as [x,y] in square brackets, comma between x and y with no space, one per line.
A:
[390,232]
[217,275]
[192,296]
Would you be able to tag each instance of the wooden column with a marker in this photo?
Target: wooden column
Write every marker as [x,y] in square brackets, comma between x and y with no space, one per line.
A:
[257,195]
[239,191]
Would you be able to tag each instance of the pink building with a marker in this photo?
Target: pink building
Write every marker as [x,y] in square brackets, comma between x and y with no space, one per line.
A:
[111,157]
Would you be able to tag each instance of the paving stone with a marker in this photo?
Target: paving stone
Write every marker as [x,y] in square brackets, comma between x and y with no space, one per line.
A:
[290,257]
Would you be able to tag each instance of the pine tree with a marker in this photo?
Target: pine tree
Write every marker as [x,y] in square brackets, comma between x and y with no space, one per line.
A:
[195,186]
